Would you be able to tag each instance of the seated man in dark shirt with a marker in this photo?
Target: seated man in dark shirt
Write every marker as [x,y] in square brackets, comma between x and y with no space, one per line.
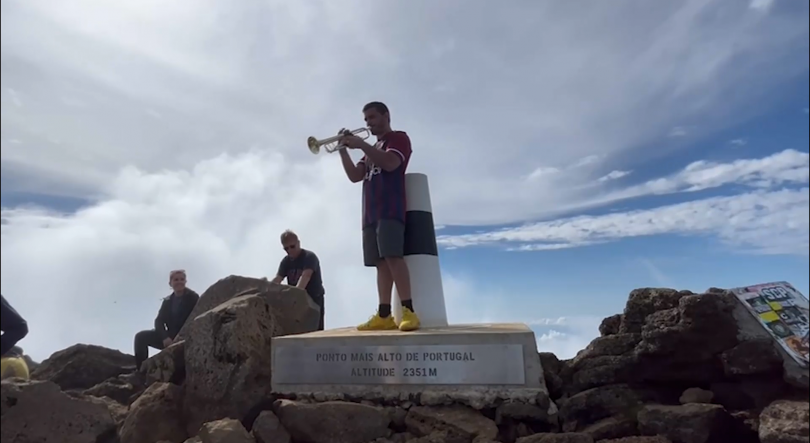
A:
[173,313]
[302,269]
[14,328]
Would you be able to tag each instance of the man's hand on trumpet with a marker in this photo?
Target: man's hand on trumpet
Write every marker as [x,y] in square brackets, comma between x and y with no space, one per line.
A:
[350,140]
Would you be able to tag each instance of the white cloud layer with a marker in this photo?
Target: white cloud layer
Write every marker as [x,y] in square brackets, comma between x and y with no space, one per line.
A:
[766,220]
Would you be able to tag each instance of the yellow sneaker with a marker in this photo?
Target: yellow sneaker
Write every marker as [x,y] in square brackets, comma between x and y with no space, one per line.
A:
[377,323]
[410,322]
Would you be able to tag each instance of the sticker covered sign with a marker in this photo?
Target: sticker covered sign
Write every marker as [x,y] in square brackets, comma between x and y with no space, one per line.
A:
[783,312]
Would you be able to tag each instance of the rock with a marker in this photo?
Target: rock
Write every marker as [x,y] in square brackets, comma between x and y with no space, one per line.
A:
[115,388]
[606,360]
[557,438]
[699,328]
[656,439]
[83,366]
[644,302]
[746,427]
[692,423]
[601,371]
[38,411]
[460,422]
[267,429]
[749,393]
[397,415]
[550,362]
[296,311]
[617,344]
[750,328]
[752,357]
[785,422]
[193,440]
[611,325]
[680,345]
[332,421]
[117,410]
[589,407]
[696,395]
[521,412]
[168,365]
[228,360]
[552,368]
[613,427]
[156,415]
[225,431]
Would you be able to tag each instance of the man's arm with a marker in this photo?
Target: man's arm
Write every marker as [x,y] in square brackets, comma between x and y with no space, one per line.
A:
[160,320]
[14,327]
[397,150]
[355,172]
[282,271]
[310,265]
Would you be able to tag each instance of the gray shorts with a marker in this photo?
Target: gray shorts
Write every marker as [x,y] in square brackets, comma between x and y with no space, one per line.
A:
[384,239]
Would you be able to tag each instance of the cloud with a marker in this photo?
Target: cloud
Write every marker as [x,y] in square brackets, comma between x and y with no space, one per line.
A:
[567,339]
[761,5]
[786,167]
[226,77]
[739,142]
[764,222]
[678,131]
[614,175]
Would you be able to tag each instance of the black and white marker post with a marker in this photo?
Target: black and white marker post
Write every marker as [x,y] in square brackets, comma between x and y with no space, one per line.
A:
[422,256]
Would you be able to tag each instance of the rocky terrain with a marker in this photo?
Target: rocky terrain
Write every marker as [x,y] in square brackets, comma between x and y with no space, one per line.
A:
[675,367]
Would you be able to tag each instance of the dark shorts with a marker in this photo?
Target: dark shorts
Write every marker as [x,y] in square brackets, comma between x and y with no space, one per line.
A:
[320,302]
[384,239]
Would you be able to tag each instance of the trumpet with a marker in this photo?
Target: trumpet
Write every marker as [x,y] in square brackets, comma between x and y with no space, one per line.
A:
[331,144]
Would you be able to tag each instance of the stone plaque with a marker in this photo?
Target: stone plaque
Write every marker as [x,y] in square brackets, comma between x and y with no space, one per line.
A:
[400,365]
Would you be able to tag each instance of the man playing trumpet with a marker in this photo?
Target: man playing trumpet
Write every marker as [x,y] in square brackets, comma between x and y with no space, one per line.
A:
[382,171]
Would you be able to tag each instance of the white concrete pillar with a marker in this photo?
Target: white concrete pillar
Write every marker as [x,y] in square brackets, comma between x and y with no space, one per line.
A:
[422,256]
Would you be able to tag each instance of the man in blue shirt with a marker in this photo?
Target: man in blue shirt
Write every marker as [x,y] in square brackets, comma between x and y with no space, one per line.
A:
[302,269]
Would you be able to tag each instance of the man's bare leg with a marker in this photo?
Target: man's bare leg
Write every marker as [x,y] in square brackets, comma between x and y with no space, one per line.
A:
[402,278]
[383,320]
[385,286]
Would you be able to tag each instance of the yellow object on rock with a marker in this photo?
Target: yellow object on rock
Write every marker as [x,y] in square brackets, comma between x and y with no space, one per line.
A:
[13,367]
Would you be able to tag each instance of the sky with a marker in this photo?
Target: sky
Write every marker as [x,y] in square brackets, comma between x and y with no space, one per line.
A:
[574,154]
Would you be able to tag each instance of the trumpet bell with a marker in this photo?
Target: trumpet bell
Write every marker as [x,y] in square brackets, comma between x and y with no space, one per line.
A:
[314,145]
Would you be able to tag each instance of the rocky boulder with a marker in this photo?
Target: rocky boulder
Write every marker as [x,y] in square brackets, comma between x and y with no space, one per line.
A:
[691,423]
[456,422]
[156,415]
[572,437]
[38,411]
[228,360]
[168,365]
[333,421]
[123,388]
[84,366]
[785,422]
[297,312]
[224,431]
[268,429]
